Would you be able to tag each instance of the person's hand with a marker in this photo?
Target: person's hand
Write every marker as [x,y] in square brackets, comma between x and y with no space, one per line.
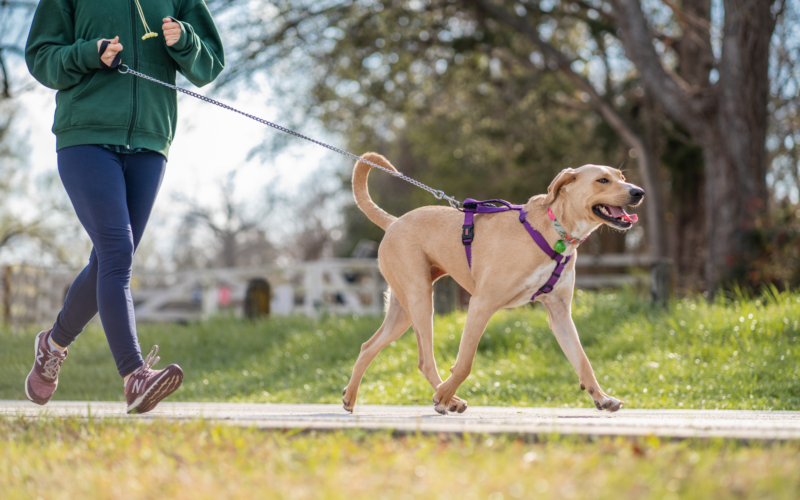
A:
[172,31]
[112,50]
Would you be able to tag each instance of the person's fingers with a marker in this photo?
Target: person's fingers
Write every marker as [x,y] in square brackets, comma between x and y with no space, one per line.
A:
[111,44]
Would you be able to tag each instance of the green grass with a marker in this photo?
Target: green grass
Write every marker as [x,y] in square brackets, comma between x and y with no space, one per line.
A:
[64,458]
[734,353]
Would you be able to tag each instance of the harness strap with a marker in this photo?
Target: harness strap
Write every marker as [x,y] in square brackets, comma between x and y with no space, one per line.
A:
[468,234]
[471,207]
[561,261]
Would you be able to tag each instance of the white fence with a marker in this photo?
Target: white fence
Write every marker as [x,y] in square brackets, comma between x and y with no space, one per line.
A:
[336,286]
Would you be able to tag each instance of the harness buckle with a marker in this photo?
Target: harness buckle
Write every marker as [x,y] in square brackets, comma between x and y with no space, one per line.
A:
[470,206]
[467,234]
[549,289]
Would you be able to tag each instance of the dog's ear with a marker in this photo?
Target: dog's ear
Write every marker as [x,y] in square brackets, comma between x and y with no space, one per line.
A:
[562,179]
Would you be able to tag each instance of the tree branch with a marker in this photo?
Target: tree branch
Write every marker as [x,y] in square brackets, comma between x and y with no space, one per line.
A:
[279,39]
[687,18]
[638,43]
[625,131]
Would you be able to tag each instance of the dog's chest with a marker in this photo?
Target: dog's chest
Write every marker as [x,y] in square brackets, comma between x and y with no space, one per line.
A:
[537,279]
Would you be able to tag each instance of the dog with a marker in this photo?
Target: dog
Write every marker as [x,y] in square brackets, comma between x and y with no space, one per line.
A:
[507,269]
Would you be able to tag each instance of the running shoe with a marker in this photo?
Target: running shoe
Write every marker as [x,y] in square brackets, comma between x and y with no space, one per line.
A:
[146,387]
[42,381]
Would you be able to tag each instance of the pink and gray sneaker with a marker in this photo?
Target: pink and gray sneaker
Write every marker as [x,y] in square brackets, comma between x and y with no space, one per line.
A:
[42,381]
[146,388]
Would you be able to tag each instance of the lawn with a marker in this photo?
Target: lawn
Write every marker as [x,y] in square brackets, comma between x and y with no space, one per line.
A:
[731,353]
[65,459]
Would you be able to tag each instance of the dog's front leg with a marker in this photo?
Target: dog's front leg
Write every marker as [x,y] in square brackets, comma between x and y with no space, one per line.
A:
[560,316]
[477,318]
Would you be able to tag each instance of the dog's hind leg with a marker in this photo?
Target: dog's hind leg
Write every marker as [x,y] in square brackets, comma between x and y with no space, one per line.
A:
[478,315]
[422,319]
[394,326]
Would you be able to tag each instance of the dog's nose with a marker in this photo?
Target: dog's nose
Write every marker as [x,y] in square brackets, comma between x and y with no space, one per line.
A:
[637,193]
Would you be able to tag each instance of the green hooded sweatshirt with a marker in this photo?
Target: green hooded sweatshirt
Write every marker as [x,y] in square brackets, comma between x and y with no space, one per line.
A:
[102,106]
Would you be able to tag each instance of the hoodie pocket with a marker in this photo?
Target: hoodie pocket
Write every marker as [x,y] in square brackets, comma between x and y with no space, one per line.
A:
[101,101]
[158,105]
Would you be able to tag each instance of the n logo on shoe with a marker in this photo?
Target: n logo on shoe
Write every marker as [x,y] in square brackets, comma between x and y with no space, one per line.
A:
[40,356]
[138,385]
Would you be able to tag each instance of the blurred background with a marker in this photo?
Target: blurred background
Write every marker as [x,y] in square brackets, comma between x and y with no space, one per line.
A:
[697,100]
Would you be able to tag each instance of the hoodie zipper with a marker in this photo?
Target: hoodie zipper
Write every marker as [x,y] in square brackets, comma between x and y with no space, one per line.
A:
[136,67]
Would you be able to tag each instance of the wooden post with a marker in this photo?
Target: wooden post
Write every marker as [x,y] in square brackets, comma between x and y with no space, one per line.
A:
[661,281]
[257,298]
[7,295]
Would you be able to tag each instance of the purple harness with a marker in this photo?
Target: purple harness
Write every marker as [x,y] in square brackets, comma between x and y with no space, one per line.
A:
[472,207]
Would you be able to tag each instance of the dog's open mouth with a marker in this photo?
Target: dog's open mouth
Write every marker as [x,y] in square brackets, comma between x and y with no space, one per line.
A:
[615,215]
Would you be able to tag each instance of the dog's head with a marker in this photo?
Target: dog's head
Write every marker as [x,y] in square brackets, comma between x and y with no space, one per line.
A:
[599,192]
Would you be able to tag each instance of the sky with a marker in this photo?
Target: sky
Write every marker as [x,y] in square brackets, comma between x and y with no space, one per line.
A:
[209,143]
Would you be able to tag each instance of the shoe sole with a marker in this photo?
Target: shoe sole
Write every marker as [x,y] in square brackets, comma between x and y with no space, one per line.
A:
[149,400]
[35,352]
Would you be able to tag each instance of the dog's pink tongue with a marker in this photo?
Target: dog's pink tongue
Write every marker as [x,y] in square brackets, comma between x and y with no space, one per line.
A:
[620,212]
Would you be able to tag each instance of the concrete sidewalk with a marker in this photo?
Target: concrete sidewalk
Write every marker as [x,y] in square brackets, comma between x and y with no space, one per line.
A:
[666,423]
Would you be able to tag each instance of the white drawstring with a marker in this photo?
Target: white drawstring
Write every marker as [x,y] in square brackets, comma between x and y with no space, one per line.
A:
[148,33]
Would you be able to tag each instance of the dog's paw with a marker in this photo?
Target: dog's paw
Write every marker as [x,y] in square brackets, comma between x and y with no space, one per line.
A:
[346,401]
[457,405]
[439,406]
[608,403]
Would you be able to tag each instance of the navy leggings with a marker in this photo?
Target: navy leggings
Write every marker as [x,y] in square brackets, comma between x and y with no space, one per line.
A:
[113,195]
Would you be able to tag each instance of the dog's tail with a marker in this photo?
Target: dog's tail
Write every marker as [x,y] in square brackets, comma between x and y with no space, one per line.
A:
[361,192]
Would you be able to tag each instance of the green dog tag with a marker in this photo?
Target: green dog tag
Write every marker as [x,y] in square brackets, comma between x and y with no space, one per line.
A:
[560,246]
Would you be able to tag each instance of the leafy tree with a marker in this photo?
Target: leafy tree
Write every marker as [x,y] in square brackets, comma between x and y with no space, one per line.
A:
[400,71]
[456,102]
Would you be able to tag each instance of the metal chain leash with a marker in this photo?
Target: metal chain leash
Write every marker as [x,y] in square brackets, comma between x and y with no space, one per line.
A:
[440,195]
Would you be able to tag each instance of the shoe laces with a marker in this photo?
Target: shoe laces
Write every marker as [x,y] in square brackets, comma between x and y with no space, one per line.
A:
[52,366]
[149,361]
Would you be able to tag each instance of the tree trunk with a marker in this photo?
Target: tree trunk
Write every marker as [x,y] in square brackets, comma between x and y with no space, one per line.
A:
[229,249]
[728,119]
[686,216]
[734,143]
[651,170]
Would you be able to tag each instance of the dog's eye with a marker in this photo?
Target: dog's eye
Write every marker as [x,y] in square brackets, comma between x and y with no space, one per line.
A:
[602,181]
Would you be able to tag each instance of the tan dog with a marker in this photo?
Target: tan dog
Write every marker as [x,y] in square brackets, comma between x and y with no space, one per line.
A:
[507,269]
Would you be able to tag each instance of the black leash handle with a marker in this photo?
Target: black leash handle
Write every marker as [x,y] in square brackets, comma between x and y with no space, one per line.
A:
[117,60]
